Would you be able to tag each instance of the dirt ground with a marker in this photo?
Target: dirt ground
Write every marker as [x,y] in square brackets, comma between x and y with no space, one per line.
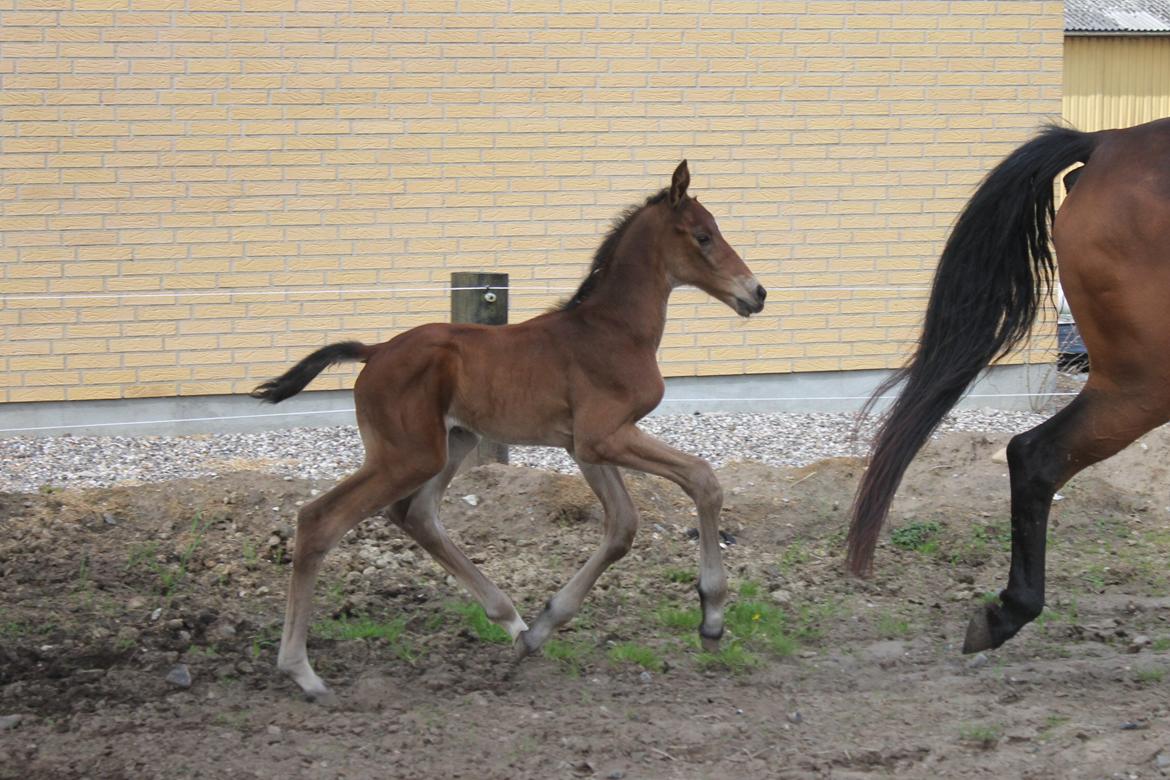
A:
[110,595]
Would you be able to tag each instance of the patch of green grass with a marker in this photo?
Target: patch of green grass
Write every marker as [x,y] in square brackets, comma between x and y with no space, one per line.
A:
[794,556]
[142,555]
[919,537]
[251,555]
[362,628]
[203,651]
[1161,644]
[760,625]
[808,621]
[1068,614]
[683,576]
[998,534]
[679,618]
[749,590]
[981,735]
[237,721]
[83,570]
[173,577]
[754,627]
[570,654]
[734,658]
[434,621]
[335,592]
[1151,675]
[169,577]
[267,638]
[479,624]
[633,653]
[522,745]
[1094,577]
[22,629]
[1112,527]
[891,626]
[1051,724]
[346,628]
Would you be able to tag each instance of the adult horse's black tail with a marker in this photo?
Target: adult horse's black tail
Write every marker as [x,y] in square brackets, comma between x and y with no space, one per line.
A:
[298,377]
[994,269]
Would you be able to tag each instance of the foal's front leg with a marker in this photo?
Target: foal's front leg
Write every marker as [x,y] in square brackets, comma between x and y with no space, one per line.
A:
[621,523]
[631,448]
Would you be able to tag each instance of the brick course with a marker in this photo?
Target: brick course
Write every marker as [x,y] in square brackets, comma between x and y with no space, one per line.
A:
[167,148]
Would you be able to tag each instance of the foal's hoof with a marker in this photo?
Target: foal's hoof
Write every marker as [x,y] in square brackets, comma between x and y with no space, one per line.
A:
[978,634]
[524,646]
[710,639]
[322,698]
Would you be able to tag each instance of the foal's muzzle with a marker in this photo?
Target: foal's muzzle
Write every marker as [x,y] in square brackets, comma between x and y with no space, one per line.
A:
[751,304]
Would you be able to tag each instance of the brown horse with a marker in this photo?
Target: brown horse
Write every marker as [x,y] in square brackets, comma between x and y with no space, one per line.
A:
[1112,238]
[578,377]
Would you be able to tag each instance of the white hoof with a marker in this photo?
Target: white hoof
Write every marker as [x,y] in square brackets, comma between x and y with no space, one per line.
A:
[314,687]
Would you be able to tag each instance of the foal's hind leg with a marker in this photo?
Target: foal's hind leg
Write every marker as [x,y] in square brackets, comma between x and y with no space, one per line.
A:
[1096,425]
[621,523]
[418,516]
[320,525]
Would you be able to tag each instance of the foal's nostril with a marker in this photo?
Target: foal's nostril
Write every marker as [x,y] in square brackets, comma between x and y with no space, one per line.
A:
[761,293]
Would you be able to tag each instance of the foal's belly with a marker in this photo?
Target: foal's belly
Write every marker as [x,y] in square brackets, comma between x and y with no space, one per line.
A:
[537,432]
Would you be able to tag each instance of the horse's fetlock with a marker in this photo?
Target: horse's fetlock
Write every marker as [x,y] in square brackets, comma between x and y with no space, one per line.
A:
[711,593]
[1027,604]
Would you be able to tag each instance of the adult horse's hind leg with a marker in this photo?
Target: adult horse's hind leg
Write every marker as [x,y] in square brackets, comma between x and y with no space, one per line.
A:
[418,516]
[621,523]
[1097,424]
[320,525]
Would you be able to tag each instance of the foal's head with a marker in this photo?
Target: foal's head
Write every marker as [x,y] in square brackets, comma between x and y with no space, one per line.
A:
[697,254]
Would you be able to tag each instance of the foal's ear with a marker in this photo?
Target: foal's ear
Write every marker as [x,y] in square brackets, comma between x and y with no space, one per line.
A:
[679,184]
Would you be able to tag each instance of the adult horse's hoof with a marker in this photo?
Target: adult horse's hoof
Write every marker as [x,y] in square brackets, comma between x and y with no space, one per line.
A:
[710,645]
[978,633]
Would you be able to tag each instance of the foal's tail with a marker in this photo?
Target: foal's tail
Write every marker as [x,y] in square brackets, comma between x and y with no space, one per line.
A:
[296,378]
[994,269]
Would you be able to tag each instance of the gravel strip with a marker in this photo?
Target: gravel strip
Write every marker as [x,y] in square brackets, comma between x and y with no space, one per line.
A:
[29,464]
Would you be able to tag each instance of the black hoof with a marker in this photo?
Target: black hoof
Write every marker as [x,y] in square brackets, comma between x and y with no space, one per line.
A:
[978,634]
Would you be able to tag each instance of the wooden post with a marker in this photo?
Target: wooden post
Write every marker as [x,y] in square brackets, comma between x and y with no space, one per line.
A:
[481,298]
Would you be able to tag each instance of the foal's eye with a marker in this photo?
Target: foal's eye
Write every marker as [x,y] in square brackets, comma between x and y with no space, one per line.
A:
[703,239]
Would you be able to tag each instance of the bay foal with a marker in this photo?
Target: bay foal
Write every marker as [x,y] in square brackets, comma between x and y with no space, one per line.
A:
[578,377]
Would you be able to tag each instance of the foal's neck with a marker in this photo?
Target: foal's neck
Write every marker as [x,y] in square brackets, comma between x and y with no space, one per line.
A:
[634,287]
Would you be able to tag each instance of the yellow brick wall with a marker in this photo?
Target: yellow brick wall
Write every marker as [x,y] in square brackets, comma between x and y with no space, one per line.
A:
[182,160]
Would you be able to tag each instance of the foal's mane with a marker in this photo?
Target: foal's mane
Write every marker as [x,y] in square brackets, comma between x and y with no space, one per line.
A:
[604,253]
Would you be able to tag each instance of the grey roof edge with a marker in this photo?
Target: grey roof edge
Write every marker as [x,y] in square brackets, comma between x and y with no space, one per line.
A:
[1117,17]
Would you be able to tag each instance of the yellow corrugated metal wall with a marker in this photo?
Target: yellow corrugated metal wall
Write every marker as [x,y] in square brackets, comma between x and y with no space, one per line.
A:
[1116,81]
